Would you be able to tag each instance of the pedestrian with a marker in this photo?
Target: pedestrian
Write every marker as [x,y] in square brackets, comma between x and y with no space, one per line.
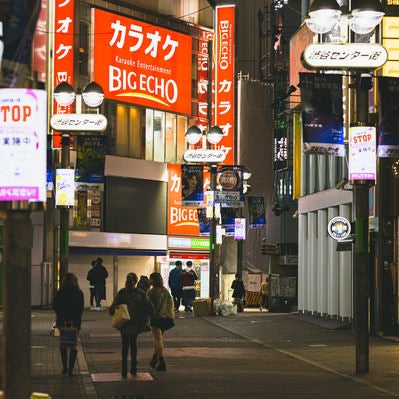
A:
[176,285]
[238,292]
[91,287]
[188,277]
[140,310]
[68,306]
[163,309]
[144,283]
[264,292]
[98,274]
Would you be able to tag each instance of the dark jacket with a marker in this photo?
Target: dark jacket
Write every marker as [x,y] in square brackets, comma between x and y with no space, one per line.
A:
[238,289]
[140,310]
[97,275]
[68,305]
[174,280]
[188,277]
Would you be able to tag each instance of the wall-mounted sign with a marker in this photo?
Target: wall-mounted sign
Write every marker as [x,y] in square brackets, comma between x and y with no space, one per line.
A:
[339,228]
[140,63]
[344,56]
[23,144]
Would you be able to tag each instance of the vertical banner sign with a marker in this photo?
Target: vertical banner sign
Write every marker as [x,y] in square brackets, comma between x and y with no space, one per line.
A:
[63,53]
[256,210]
[90,160]
[65,187]
[362,153]
[322,114]
[388,130]
[23,144]
[225,78]
[239,230]
[141,63]
[182,220]
[192,187]
[203,79]
[39,45]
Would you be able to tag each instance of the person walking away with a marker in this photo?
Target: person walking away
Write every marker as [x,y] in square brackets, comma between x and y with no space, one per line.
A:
[91,287]
[98,274]
[163,308]
[144,283]
[176,285]
[238,292]
[188,277]
[140,310]
[264,292]
[68,305]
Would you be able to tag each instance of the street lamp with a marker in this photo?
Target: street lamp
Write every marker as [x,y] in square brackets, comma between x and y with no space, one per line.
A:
[211,157]
[64,94]
[364,17]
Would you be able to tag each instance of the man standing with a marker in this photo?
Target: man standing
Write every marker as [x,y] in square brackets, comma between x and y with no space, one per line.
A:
[91,286]
[97,275]
[175,284]
[188,277]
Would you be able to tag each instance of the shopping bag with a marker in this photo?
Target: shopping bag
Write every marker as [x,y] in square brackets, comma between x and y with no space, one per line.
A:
[121,316]
[68,335]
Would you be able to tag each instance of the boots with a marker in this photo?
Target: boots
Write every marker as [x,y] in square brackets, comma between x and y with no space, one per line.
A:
[72,359]
[153,361]
[161,364]
[124,369]
[64,358]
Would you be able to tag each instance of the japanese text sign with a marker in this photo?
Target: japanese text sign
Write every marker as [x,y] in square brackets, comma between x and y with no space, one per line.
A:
[23,144]
[362,153]
[224,77]
[141,63]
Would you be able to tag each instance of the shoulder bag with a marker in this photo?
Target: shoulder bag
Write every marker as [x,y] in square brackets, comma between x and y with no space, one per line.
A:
[121,316]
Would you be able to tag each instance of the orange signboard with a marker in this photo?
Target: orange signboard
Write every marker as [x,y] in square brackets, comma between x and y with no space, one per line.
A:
[141,63]
[225,78]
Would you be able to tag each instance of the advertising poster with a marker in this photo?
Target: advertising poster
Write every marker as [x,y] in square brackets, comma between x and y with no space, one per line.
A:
[256,211]
[192,187]
[388,130]
[90,159]
[140,63]
[23,144]
[322,114]
[65,187]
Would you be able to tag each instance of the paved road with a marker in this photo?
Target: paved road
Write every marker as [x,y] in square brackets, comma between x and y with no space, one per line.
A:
[254,355]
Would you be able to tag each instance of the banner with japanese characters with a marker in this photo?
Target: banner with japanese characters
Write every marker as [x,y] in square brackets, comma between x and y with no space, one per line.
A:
[322,114]
[256,211]
[90,161]
[23,144]
[192,187]
[388,129]
[225,77]
[141,63]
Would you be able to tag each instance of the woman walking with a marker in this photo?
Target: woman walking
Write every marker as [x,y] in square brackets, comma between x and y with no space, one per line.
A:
[68,305]
[163,314]
[140,310]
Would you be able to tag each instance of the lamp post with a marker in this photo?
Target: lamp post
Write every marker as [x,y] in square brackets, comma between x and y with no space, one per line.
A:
[64,94]
[324,15]
[210,157]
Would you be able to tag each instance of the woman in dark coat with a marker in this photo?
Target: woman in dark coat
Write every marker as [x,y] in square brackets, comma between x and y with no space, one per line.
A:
[140,310]
[68,305]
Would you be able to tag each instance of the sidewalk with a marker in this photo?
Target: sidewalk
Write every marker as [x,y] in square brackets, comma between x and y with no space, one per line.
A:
[261,341]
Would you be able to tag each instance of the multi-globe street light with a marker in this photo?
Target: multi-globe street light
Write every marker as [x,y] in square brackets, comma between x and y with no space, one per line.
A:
[65,95]
[209,157]
[362,18]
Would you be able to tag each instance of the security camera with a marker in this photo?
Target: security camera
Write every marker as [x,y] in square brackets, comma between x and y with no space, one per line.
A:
[341,184]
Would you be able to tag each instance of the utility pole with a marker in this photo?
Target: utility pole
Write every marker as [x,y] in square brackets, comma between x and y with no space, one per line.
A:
[362,240]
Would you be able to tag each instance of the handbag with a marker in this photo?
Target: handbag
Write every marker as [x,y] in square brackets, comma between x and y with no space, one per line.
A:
[121,316]
[68,335]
